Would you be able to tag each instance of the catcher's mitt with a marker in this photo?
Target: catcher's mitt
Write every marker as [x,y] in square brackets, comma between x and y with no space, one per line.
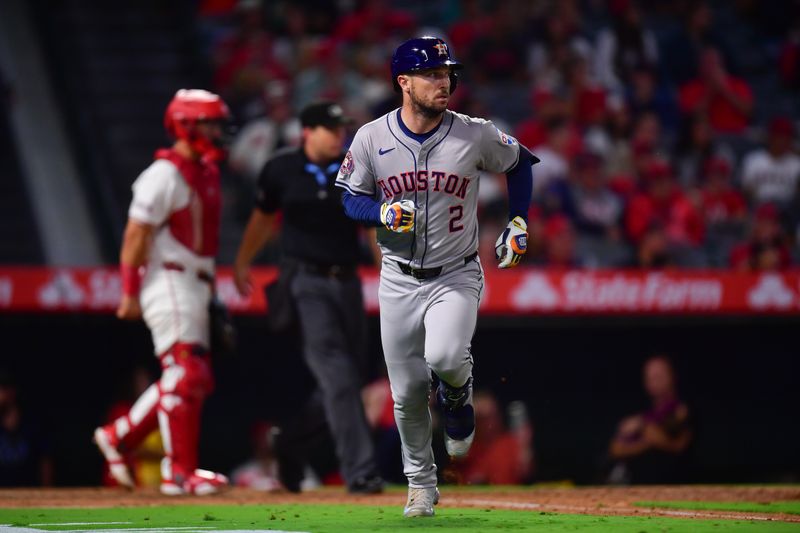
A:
[223,332]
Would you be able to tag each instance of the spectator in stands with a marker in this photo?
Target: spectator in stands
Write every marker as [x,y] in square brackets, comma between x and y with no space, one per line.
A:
[647,138]
[327,77]
[255,143]
[245,61]
[588,100]
[378,16]
[625,46]
[548,109]
[499,456]
[651,446]
[663,204]
[726,100]
[645,95]
[559,243]
[767,247]
[470,24]
[596,211]
[24,451]
[682,48]
[498,56]
[261,471]
[722,203]
[554,154]
[614,142]
[771,174]
[696,146]
[628,175]
[559,42]
[653,251]
[724,209]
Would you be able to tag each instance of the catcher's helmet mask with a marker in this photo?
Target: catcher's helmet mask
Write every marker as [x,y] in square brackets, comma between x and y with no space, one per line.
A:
[423,53]
[191,107]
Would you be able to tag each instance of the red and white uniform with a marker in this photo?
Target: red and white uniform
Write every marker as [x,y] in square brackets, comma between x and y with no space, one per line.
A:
[181,198]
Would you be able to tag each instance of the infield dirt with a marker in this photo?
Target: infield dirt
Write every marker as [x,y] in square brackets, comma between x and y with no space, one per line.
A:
[589,500]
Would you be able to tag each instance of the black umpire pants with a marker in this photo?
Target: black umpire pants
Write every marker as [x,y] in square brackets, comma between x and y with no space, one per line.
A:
[330,310]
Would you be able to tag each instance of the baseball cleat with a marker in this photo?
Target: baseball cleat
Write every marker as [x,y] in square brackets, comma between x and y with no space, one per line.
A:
[200,483]
[205,482]
[458,448]
[421,501]
[459,417]
[107,442]
[367,485]
[170,488]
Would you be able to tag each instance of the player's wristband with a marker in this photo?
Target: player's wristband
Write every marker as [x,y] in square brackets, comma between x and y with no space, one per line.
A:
[131,279]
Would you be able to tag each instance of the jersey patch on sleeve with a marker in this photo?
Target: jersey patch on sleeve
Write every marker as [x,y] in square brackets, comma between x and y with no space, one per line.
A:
[348,166]
[505,139]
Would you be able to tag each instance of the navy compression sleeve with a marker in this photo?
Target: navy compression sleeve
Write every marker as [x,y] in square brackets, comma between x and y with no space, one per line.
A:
[520,185]
[362,209]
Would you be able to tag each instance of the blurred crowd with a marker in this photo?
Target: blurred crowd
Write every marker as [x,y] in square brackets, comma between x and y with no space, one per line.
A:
[664,142]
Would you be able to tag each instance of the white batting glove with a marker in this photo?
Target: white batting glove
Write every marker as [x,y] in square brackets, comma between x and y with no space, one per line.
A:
[398,216]
[512,243]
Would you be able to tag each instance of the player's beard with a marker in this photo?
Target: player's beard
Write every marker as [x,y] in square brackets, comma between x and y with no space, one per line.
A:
[429,110]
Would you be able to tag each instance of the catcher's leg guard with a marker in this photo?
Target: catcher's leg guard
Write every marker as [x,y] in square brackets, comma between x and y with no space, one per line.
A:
[126,433]
[184,384]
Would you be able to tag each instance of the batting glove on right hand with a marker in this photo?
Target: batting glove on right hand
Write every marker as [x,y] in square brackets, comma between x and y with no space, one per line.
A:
[399,216]
[512,243]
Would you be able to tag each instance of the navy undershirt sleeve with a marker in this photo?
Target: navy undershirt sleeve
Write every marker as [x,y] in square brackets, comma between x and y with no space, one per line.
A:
[520,187]
[362,209]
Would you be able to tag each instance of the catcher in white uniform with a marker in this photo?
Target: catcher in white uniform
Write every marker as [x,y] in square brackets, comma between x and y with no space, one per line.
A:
[414,174]
[167,269]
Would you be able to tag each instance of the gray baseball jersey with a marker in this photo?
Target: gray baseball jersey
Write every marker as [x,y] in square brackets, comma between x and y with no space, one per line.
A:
[427,324]
[440,176]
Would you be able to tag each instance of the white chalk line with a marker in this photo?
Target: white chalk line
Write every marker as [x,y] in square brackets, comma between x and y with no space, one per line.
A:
[82,524]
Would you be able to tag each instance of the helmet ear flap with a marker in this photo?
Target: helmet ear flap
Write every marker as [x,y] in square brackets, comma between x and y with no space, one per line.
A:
[453,80]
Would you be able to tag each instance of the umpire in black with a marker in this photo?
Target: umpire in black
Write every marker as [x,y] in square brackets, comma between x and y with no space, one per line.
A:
[320,252]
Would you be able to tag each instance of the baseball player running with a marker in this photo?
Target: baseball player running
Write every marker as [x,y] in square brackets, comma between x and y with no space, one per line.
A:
[167,268]
[414,173]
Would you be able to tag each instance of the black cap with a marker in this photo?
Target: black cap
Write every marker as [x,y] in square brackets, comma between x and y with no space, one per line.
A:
[323,113]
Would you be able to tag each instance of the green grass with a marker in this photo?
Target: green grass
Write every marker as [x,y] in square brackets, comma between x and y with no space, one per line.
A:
[789,507]
[356,518]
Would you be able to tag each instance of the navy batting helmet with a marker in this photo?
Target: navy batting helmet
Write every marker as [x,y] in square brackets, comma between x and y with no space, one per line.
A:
[423,53]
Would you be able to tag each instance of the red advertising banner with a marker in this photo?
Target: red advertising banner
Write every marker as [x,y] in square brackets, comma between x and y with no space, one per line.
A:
[521,291]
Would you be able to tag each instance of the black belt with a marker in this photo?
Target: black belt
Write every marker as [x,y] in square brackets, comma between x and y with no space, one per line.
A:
[326,270]
[428,273]
[202,275]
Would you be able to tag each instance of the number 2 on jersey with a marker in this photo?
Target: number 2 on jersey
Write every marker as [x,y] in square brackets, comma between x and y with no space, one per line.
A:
[456,213]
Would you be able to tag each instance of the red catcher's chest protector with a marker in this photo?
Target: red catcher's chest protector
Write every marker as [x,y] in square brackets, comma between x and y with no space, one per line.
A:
[196,226]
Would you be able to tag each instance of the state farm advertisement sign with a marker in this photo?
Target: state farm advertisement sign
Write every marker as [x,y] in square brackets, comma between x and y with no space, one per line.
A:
[521,291]
[603,292]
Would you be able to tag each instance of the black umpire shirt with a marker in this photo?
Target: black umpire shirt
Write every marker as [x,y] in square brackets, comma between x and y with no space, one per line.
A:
[315,227]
